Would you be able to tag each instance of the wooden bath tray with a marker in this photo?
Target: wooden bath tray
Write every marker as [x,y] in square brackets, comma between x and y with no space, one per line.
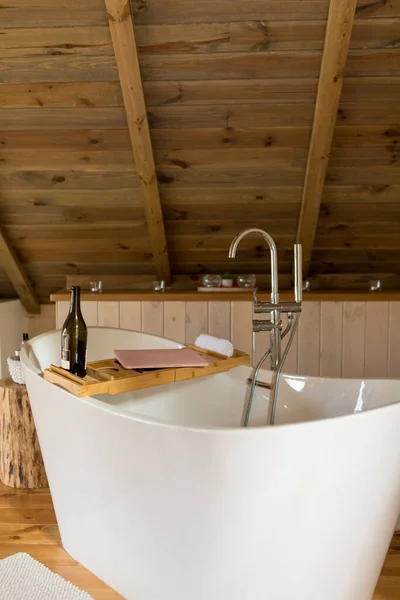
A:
[109,376]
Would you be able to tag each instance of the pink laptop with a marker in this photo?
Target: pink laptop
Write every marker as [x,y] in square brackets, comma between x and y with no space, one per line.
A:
[160,359]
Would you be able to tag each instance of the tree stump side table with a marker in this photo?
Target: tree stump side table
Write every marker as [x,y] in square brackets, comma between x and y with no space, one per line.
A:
[21,462]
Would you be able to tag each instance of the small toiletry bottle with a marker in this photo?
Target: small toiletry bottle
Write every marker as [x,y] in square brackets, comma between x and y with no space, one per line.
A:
[16,356]
[25,338]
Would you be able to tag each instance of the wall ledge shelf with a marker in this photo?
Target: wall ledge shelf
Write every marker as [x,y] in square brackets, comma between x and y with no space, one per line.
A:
[195,296]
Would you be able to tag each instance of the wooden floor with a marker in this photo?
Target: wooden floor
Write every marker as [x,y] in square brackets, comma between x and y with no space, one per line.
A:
[28,524]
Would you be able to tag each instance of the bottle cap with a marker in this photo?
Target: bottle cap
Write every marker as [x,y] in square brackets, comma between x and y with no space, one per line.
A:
[25,337]
[17,352]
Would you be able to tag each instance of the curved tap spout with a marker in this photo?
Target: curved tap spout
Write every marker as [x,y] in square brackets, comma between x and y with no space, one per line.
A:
[274,257]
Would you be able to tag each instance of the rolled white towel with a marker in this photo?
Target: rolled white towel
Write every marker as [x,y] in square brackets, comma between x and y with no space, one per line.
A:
[215,344]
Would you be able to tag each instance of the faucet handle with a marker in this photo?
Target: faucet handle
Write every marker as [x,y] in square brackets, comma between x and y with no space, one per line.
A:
[255,299]
[298,274]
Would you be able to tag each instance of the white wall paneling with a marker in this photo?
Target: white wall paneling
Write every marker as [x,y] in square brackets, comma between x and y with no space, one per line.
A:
[90,313]
[153,317]
[308,347]
[376,339]
[196,320]
[11,330]
[334,339]
[36,324]
[61,313]
[219,319]
[130,315]
[175,321]
[331,339]
[353,353]
[394,340]
[108,314]
[241,326]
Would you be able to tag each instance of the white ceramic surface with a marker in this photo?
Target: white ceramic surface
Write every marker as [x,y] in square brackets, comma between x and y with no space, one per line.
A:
[164,497]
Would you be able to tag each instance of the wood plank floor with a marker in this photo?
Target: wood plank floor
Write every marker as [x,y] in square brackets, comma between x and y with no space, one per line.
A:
[28,524]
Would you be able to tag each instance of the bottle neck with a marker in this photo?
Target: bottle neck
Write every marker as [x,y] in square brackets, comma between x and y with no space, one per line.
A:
[75,307]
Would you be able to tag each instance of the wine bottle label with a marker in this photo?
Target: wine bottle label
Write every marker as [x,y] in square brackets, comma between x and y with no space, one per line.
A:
[65,362]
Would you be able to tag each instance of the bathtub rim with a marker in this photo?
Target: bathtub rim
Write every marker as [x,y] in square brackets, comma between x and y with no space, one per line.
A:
[93,401]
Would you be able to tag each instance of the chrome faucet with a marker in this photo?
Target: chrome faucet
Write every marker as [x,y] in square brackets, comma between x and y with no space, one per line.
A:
[274,257]
[274,324]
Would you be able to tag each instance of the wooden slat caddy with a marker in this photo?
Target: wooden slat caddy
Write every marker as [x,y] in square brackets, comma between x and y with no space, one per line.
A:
[110,377]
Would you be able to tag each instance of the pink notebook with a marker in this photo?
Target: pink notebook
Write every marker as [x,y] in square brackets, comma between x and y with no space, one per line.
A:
[159,359]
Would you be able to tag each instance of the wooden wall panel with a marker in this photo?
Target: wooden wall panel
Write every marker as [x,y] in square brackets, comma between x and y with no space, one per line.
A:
[130,315]
[108,314]
[37,324]
[175,321]
[67,180]
[90,313]
[231,66]
[72,40]
[219,319]
[331,337]
[196,320]
[309,339]
[202,38]
[394,340]
[12,321]
[47,13]
[39,69]
[244,65]
[376,339]
[351,141]
[241,326]
[186,11]
[62,309]
[245,36]
[353,354]
[84,94]
[153,317]
[236,116]
[14,119]
[241,115]
[291,363]
[338,339]
[78,94]
[115,160]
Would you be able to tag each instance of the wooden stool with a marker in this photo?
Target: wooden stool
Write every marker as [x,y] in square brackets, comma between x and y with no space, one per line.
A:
[21,462]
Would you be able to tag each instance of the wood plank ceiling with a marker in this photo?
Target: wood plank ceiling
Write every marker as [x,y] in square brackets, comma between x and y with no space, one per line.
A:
[339,27]
[230,89]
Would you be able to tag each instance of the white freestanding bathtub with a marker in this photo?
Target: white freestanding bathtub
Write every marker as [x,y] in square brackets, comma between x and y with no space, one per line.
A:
[164,497]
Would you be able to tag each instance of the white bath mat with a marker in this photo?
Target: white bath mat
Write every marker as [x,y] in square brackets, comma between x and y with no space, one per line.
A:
[24,578]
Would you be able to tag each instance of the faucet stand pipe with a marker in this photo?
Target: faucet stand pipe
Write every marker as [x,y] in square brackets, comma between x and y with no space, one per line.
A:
[274,325]
[277,375]
[254,379]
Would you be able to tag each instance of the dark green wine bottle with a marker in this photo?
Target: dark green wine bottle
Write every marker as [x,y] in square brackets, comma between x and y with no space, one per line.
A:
[74,337]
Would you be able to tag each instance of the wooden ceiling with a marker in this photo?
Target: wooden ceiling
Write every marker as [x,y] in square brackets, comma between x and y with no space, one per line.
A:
[230,89]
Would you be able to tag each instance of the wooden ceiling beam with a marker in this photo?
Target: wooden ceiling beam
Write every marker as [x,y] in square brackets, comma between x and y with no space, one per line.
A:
[123,38]
[337,40]
[16,274]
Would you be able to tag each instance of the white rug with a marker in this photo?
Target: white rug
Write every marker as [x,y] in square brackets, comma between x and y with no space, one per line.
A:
[24,578]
